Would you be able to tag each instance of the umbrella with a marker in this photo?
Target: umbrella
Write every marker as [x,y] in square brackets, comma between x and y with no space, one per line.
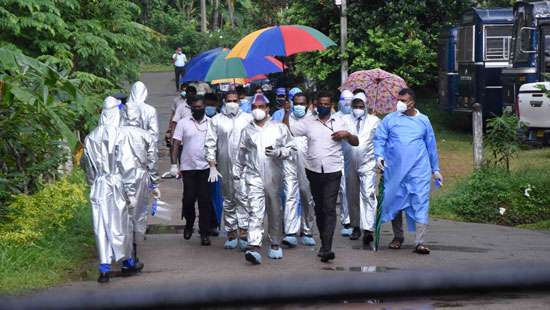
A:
[283,40]
[213,65]
[381,88]
[240,81]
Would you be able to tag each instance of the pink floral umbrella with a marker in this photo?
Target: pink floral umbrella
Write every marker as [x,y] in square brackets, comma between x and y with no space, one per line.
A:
[381,88]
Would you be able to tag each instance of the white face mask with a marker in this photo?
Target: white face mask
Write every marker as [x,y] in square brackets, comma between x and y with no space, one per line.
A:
[232,107]
[401,106]
[258,114]
[358,112]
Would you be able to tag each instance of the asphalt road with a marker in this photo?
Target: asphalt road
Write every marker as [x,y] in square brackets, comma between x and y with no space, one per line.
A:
[168,257]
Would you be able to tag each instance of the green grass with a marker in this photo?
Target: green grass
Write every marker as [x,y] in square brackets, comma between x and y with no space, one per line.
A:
[542,225]
[156,68]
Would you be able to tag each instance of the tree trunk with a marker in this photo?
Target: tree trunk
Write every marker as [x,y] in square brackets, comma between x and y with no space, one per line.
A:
[215,19]
[203,16]
[231,11]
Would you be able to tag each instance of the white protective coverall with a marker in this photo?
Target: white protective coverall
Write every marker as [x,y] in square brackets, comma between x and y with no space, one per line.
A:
[360,171]
[136,158]
[110,210]
[263,176]
[344,208]
[221,146]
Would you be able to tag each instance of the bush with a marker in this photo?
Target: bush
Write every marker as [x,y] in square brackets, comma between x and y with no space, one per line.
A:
[498,197]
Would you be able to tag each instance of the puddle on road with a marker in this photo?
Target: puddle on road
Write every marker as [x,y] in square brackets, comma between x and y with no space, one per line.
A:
[433,247]
[366,269]
[164,229]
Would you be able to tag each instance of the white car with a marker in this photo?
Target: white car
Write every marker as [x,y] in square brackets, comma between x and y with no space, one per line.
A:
[533,109]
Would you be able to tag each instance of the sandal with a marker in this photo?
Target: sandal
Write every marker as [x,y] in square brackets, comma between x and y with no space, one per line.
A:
[396,243]
[421,249]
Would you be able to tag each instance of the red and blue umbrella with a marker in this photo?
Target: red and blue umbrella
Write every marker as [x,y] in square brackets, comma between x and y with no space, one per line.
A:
[213,65]
[282,40]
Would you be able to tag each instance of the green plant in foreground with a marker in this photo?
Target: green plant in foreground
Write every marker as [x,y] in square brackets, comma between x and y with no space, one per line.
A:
[502,140]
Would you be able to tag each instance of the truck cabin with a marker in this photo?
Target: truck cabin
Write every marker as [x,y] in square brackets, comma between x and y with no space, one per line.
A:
[448,69]
[482,51]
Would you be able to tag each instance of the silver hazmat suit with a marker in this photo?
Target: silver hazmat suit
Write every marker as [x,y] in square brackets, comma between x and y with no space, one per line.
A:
[111,215]
[149,119]
[263,176]
[298,216]
[360,172]
[136,158]
[221,146]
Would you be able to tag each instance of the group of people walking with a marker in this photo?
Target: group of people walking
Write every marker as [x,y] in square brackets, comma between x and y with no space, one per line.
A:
[290,165]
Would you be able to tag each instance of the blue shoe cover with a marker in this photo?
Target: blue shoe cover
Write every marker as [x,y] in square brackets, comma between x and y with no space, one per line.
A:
[129,263]
[243,244]
[253,257]
[290,241]
[230,244]
[103,268]
[346,232]
[308,240]
[275,254]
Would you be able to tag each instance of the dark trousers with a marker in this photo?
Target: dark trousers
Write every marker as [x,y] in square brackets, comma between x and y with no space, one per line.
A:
[195,187]
[324,189]
[179,74]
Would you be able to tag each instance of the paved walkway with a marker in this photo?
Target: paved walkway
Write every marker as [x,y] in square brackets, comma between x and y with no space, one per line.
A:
[168,257]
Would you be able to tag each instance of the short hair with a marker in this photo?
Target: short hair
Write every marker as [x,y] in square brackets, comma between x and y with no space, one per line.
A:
[194,99]
[211,97]
[191,88]
[358,90]
[231,92]
[240,90]
[408,91]
[324,94]
[300,95]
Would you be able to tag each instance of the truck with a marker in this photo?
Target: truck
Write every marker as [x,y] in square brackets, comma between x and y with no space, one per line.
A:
[530,65]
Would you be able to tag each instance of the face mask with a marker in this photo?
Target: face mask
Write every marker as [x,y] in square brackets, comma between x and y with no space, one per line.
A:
[232,107]
[299,111]
[323,111]
[358,112]
[401,106]
[183,94]
[210,111]
[258,114]
[346,109]
[198,114]
[243,102]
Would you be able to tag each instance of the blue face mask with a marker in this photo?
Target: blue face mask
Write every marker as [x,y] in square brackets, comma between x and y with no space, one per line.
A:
[346,109]
[299,111]
[183,94]
[210,111]
[323,111]
[243,102]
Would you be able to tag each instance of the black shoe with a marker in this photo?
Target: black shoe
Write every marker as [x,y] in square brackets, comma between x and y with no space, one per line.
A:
[205,240]
[130,271]
[356,234]
[104,277]
[187,233]
[368,238]
[327,256]
[214,232]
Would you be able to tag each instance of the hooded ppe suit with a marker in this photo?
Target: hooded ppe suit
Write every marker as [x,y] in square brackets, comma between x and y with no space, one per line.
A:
[302,215]
[149,120]
[408,146]
[221,146]
[136,158]
[111,215]
[263,176]
[344,208]
[360,173]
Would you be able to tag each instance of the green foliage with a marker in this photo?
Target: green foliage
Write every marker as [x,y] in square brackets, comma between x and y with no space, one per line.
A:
[55,236]
[502,140]
[498,197]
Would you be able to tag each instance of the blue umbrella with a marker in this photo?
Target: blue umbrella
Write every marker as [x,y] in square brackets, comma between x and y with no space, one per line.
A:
[213,65]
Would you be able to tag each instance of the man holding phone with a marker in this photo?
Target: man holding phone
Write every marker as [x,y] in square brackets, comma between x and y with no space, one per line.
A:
[325,134]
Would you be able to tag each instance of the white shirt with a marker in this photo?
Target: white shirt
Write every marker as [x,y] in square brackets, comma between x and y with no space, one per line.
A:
[183,110]
[179,59]
[324,155]
[192,135]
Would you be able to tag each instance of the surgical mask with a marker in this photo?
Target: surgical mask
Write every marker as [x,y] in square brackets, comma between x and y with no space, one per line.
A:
[198,114]
[232,107]
[299,111]
[210,111]
[358,112]
[401,106]
[243,102]
[346,109]
[258,114]
[323,111]
[183,94]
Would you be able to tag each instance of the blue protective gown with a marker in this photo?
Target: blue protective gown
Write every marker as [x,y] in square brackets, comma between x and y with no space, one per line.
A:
[408,146]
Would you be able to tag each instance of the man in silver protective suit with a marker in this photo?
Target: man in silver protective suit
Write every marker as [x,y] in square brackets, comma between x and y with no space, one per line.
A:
[301,218]
[136,157]
[111,212]
[221,145]
[360,174]
[344,109]
[263,147]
